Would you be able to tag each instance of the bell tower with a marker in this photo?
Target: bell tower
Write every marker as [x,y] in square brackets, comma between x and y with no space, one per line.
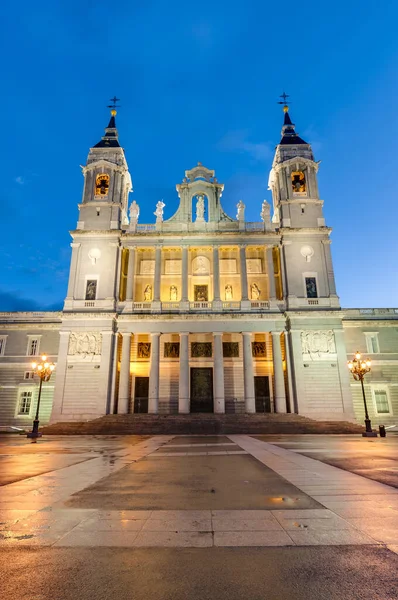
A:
[93,280]
[298,213]
[107,183]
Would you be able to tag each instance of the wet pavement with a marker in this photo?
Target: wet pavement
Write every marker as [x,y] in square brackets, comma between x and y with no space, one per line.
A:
[20,459]
[173,517]
[190,473]
[306,573]
[374,458]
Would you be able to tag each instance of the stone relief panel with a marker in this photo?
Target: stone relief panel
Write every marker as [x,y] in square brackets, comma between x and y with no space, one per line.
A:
[85,343]
[144,350]
[259,349]
[318,344]
[230,349]
[227,266]
[201,293]
[201,349]
[147,267]
[172,349]
[253,265]
[201,265]
[172,267]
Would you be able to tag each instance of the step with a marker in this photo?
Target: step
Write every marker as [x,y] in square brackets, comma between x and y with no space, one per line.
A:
[144,424]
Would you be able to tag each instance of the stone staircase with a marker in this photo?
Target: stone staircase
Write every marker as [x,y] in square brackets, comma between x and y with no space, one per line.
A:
[145,424]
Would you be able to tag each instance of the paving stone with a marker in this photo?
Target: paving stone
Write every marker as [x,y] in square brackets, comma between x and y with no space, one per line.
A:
[181,524]
[333,524]
[342,537]
[230,524]
[78,537]
[252,538]
[121,525]
[185,539]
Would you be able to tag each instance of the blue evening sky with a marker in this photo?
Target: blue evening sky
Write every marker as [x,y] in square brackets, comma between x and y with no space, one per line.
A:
[198,82]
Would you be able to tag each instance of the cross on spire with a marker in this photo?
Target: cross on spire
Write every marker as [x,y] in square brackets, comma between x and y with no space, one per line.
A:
[114,104]
[284,101]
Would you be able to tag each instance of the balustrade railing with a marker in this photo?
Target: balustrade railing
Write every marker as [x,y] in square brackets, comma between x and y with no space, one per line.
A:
[143,227]
[200,305]
[170,306]
[142,305]
[231,305]
[260,304]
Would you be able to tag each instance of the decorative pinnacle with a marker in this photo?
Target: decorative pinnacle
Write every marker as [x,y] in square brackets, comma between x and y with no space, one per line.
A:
[285,103]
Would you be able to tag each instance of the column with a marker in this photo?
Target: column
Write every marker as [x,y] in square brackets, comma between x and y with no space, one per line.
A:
[344,374]
[291,407]
[153,394]
[279,391]
[271,276]
[243,272]
[124,380]
[183,389]
[72,274]
[106,368]
[219,400]
[130,275]
[216,274]
[158,265]
[329,267]
[61,369]
[296,358]
[283,272]
[184,274]
[248,376]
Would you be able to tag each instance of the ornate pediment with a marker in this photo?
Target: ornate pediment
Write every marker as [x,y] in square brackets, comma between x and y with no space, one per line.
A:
[200,172]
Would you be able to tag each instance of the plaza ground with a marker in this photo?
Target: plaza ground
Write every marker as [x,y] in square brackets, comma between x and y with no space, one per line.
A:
[173,517]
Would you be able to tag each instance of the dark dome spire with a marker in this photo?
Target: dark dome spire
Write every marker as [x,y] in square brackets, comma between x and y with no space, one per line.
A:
[110,139]
[289,135]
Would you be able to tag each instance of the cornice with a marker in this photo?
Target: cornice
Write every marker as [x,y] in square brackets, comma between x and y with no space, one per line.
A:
[302,200]
[285,231]
[296,159]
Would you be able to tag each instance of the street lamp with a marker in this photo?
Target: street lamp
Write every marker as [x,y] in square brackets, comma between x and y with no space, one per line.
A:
[359,367]
[44,370]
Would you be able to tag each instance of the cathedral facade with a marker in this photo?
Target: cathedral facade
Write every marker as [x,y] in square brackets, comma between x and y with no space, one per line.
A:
[200,312]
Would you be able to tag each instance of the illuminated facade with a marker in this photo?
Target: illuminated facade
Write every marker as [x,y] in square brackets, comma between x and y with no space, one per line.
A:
[202,311]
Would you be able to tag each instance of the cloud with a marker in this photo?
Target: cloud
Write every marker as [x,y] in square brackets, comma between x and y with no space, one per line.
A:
[20,180]
[237,141]
[15,301]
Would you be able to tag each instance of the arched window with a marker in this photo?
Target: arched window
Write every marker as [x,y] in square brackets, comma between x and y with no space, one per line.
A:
[102,184]
[299,185]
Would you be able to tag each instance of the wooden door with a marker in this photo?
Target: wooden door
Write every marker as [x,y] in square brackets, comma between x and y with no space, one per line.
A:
[202,390]
[262,395]
[141,394]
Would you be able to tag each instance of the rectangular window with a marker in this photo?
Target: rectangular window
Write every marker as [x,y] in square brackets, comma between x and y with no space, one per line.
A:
[25,402]
[29,375]
[3,339]
[311,287]
[33,346]
[372,342]
[381,401]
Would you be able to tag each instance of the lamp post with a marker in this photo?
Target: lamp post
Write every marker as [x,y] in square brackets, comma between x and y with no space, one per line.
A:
[359,367]
[44,370]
